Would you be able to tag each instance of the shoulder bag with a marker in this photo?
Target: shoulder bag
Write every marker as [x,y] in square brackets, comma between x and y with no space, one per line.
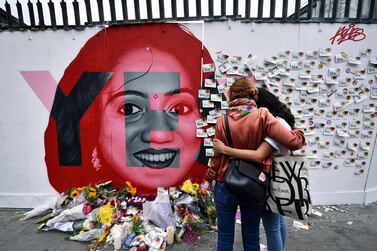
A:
[245,178]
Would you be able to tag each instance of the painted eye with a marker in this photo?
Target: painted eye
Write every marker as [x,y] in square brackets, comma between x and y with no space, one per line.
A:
[130,109]
[180,109]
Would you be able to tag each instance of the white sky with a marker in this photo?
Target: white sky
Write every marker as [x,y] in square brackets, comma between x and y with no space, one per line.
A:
[143,14]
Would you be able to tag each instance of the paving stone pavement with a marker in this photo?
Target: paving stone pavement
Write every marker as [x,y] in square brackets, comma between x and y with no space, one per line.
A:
[340,228]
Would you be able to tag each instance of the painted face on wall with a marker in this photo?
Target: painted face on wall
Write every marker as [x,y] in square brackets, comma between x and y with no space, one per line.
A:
[125,109]
[149,108]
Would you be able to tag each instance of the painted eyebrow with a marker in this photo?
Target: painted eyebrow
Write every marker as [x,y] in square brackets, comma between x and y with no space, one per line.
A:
[130,92]
[177,91]
[143,95]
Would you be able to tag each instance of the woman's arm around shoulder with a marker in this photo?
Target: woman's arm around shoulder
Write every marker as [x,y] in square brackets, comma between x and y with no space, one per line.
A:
[292,140]
[263,151]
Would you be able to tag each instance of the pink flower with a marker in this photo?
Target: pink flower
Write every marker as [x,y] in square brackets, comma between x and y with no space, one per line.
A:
[87,208]
[117,215]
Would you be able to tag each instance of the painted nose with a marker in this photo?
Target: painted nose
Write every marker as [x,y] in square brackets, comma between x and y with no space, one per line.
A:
[162,126]
[158,136]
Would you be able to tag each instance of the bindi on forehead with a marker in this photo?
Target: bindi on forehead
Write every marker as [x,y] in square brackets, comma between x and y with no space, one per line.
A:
[157,101]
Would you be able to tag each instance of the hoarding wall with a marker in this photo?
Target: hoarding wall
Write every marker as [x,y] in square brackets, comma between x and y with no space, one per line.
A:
[134,103]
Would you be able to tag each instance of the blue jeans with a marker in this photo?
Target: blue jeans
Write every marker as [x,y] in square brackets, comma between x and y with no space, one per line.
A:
[276,230]
[226,207]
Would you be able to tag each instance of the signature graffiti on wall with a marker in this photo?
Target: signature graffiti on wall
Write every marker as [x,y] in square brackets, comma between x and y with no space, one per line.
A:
[350,32]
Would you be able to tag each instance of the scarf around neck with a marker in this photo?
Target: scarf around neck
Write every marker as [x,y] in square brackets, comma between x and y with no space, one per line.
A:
[241,107]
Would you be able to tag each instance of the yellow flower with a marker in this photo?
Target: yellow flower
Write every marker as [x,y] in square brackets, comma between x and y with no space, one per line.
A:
[196,186]
[186,218]
[92,195]
[136,218]
[130,189]
[133,191]
[188,187]
[92,189]
[105,214]
[81,188]
[74,194]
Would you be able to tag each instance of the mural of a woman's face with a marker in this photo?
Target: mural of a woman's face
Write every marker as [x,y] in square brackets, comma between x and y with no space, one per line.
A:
[125,109]
[148,110]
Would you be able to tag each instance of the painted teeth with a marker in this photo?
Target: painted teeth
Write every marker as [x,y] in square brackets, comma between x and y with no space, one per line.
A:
[155,157]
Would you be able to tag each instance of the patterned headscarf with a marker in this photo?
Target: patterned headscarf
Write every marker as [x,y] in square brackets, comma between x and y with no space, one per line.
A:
[241,107]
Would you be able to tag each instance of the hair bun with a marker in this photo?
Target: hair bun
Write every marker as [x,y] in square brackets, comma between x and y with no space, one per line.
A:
[242,88]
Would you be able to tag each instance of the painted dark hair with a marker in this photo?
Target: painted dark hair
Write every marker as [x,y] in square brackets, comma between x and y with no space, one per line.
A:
[68,110]
[275,106]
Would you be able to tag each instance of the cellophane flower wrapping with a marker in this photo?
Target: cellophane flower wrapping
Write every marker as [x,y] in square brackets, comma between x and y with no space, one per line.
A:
[104,215]
[43,209]
[159,211]
[88,235]
[71,214]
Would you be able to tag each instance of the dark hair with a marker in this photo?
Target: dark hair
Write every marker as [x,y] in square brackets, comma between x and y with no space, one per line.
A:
[275,106]
[68,111]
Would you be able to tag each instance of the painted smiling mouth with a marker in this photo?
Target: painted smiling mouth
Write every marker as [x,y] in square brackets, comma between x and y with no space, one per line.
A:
[156,158]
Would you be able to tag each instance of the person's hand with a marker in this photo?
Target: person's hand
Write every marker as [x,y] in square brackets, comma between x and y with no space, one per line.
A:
[218,146]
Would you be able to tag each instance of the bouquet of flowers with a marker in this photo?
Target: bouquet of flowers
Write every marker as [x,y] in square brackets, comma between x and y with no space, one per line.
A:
[104,215]
[194,211]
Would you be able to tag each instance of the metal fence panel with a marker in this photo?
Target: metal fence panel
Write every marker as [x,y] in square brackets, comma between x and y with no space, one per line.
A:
[329,11]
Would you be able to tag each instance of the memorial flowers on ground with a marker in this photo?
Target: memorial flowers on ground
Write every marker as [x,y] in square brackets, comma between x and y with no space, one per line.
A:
[103,215]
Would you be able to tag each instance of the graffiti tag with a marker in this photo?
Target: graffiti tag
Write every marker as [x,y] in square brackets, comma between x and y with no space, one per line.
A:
[345,33]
